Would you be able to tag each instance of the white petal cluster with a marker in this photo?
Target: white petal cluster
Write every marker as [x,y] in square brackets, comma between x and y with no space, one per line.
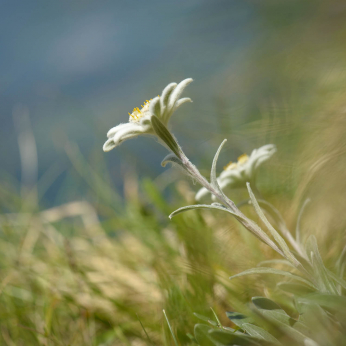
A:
[140,119]
[238,174]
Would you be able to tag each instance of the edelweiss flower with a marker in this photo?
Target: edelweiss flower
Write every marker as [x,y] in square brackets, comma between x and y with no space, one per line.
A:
[237,174]
[140,119]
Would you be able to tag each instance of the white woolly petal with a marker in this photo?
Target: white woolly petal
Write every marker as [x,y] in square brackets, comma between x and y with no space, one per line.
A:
[242,173]
[258,163]
[166,92]
[233,178]
[229,174]
[225,182]
[168,114]
[132,130]
[109,145]
[248,167]
[268,147]
[154,107]
[177,92]
[115,129]
[145,121]
[225,174]
[257,157]
[180,102]
[262,159]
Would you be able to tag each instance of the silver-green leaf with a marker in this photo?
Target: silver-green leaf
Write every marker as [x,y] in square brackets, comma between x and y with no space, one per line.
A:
[280,241]
[260,333]
[265,270]
[213,179]
[172,158]
[163,133]
[200,206]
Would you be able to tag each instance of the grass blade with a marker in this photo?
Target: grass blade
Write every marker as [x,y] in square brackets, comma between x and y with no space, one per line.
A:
[170,328]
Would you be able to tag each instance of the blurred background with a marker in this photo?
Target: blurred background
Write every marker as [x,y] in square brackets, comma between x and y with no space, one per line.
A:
[71,70]
[264,72]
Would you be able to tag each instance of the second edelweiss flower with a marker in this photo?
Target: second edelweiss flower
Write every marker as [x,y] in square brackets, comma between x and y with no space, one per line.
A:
[140,119]
[237,174]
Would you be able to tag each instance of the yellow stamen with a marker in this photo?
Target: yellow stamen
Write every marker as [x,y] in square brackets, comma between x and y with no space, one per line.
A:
[231,165]
[137,113]
[242,159]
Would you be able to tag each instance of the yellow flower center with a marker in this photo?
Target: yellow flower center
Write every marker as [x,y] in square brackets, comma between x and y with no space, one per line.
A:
[242,159]
[232,165]
[137,113]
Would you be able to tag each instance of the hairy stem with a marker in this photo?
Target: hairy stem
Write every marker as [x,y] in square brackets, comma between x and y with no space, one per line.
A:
[246,222]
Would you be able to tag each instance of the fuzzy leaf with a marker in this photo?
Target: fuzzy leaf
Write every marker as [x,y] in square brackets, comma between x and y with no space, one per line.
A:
[290,331]
[330,302]
[277,261]
[238,319]
[221,337]
[205,319]
[325,282]
[172,158]
[163,133]
[302,209]
[295,288]
[199,206]
[340,263]
[263,303]
[281,242]
[202,335]
[337,279]
[275,314]
[213,179]
[281,225]
[260,333]
[315,317]
[265,270]
[256,230]
[219,205]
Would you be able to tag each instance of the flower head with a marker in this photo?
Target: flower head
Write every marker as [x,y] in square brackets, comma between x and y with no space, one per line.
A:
[236,174]
[140,119]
